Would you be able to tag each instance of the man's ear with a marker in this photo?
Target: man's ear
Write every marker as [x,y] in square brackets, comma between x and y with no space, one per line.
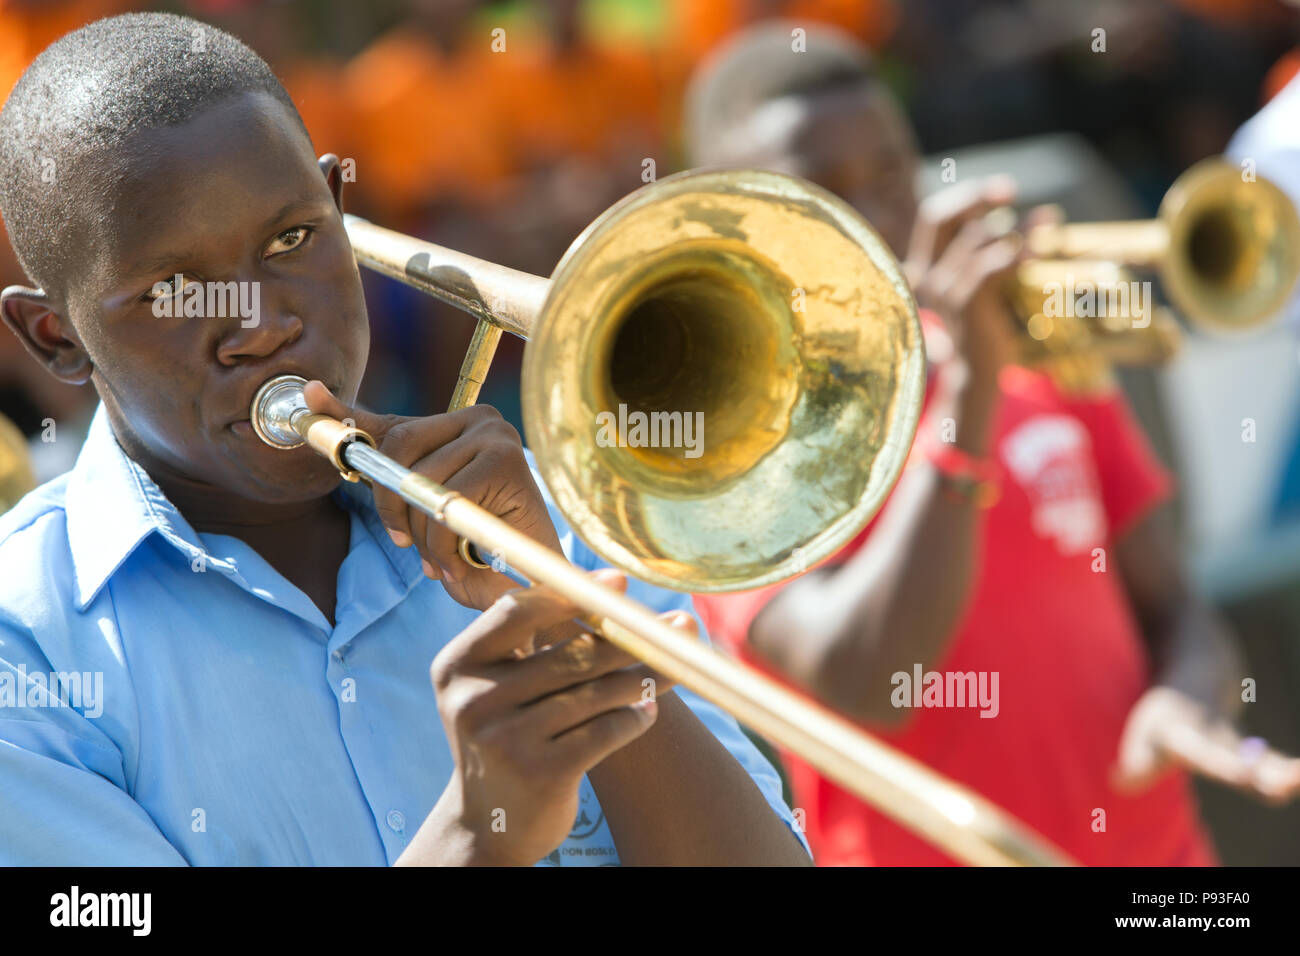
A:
[46,334]
[333,173]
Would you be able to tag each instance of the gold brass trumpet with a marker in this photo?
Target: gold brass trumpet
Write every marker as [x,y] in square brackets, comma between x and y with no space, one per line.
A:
[1227,250]
[771,308]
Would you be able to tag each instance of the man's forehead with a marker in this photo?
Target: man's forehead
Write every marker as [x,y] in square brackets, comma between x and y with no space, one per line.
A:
[251,134]
[238,163]
[790,125]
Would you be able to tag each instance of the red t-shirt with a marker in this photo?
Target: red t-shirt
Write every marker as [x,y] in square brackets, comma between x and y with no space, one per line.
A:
[1076,474]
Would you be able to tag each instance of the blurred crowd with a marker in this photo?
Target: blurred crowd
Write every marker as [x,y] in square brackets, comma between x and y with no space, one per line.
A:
[503,128]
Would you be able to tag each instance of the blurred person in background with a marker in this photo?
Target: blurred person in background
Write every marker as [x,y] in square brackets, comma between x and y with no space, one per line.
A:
[1029,548]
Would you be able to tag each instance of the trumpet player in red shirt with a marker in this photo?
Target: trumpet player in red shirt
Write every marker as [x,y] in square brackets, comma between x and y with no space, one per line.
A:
[1021,559]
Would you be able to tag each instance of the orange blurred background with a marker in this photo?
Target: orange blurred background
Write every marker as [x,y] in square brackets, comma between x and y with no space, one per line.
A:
[503,128]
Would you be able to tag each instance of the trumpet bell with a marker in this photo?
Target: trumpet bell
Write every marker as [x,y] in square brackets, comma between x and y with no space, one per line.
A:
[1234,246]
[724,381]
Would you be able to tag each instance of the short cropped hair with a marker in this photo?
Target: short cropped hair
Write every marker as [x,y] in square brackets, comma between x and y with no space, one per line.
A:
[764,63]
[80,100]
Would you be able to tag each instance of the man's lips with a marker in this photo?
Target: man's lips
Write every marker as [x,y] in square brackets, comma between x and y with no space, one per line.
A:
[243,427]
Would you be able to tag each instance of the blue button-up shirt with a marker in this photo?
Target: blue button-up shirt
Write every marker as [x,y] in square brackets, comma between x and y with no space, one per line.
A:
[167,697]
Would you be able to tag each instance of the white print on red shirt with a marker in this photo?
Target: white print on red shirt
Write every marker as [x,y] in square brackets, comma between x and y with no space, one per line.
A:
[1050,457]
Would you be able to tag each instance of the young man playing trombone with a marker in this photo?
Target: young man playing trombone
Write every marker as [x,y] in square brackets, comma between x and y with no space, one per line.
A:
[261,633]
[1020,549]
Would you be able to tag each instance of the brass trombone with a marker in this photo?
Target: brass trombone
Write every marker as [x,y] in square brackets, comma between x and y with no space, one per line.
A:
[772,308]
[1227,250]
[16,478]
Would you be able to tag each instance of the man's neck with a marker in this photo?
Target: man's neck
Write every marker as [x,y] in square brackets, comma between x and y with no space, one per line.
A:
[306,541]
[307,546]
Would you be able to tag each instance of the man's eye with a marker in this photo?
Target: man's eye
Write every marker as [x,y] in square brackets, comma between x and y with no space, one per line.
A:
[170,287]
[288,240]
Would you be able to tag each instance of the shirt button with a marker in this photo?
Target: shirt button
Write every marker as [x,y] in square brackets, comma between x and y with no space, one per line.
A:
[397,820]
[338,655]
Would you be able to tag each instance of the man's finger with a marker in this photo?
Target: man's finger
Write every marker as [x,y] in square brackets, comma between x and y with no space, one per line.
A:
[406,440]
[462,467]
[572,707]
[508,626]
[1266,774]
[1199,750]
[608,577]
[956,261]
[584,747]
[1048,214]
[392,510]
[994,264]
[565,664]
[943,213]
[512,622]
[1275,778]
[324,402]
[586,657]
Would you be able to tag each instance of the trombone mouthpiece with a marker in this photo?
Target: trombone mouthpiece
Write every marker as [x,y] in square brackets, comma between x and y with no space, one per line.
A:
[275,406]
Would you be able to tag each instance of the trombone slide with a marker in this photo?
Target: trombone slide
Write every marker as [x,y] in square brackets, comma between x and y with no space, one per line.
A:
[965,824]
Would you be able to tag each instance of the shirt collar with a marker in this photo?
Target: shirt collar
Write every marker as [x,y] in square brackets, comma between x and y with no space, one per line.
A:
[113,505]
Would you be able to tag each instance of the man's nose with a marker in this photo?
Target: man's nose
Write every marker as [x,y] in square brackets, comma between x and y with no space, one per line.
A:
[258,333]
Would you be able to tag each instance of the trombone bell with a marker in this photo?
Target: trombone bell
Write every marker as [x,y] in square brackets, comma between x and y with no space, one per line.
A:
[722,378]
[772,321]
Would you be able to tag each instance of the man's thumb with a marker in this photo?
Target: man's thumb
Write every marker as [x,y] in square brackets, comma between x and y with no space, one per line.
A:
[324,402]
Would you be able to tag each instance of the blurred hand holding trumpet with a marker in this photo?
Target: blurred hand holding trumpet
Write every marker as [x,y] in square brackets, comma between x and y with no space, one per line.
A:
[1226,245]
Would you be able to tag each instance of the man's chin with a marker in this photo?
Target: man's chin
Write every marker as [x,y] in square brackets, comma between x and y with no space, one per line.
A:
[283,476]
